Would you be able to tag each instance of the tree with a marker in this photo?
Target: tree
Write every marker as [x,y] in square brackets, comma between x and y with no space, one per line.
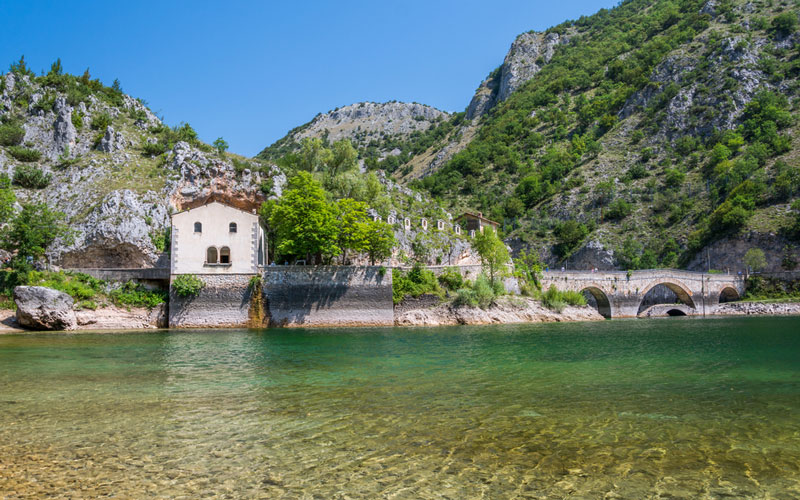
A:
[343,158]
[570,234]
[56,68]
[30,233]
[313,155]
[379,241]
[116,86]
[492,251]
[755,260]
[305,223]
[21,68]
[352,226]
[221,145]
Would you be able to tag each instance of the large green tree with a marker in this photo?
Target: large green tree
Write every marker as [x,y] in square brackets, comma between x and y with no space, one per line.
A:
[492,251]
[379,241]
[305,223]
[352,226]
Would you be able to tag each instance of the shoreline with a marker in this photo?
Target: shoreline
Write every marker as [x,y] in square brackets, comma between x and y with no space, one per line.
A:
[506,311]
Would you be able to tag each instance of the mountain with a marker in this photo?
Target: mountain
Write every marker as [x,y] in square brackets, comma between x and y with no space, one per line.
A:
[117,171]
[656,133]
[363,124]
[111,166]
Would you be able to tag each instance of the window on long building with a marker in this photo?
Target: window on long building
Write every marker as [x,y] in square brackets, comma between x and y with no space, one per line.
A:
[225,255]
[211,255]
[198,227]
[232,227]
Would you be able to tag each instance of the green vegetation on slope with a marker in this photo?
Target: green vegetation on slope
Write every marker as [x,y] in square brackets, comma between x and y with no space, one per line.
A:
[627,130]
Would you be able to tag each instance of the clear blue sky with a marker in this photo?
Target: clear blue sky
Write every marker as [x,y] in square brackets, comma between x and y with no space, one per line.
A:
[249,71]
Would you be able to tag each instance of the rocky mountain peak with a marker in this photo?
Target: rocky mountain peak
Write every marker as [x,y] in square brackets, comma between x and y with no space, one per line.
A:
[362,123]
[529,52]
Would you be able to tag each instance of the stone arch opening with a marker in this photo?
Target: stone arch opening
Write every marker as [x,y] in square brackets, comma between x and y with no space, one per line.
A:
[675,312]
[728,294]
[598,299]
[665,292]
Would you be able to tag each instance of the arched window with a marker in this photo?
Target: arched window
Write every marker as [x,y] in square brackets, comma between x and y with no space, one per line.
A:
[198,227]
[211,255]
[225,255]
[232,227]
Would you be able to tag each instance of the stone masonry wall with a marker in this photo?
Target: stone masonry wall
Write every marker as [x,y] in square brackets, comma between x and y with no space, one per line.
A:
[328,296]
[223,302]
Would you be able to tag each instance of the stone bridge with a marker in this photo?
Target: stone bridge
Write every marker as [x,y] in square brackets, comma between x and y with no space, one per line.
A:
[620,294]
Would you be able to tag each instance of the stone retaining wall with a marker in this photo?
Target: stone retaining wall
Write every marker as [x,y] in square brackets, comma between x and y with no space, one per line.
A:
[223,302]
[328,296]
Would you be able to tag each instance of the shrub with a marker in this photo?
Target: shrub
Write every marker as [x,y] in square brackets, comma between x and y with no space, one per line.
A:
[153,148]
[570,234]
[161,239]
[480,294]
[31,177]
[785,24]
[557,300]
[11,134]
[24,154]
[451,278]
[77,119]
[135,295]
[416,282]
[619,209]
[187,285]
[674,178]
[79,286]
[101,122]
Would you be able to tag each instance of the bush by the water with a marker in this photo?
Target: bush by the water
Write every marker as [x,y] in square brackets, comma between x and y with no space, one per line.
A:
[187,285]
[79,286]
[416,282]
[557,300]
[481,293]
[135,295]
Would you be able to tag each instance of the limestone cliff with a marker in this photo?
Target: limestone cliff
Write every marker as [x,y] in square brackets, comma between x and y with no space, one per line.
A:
[107,173]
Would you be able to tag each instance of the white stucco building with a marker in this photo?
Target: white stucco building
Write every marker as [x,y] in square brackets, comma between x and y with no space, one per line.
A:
[216,239]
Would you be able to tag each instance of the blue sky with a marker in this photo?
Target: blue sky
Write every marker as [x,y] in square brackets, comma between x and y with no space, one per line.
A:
[249,71]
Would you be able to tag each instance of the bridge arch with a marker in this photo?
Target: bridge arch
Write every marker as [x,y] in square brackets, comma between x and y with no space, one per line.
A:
[728,294]
[600,298]
[681,291]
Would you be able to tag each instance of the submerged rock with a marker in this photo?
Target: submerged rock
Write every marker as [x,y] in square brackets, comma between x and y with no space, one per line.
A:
[42,308]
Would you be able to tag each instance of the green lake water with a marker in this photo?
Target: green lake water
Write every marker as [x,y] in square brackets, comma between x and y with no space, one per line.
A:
[669,408]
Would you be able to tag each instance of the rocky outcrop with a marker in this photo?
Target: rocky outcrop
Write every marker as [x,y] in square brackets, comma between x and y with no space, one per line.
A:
[529,52]
[364,122]
[505,310]
[727,254]
[42,308]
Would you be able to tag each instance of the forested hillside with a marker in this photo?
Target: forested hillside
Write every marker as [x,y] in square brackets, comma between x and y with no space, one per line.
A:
[645,135]
[659,128]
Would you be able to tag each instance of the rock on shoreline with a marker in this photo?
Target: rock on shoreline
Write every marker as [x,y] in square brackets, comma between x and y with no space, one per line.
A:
[758,309]
[505,310]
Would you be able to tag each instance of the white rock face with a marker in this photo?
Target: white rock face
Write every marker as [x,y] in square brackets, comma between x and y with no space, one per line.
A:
[529,52]
[365,121]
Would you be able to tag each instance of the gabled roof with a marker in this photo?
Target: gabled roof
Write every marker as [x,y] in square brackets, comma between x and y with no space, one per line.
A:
[211,201]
